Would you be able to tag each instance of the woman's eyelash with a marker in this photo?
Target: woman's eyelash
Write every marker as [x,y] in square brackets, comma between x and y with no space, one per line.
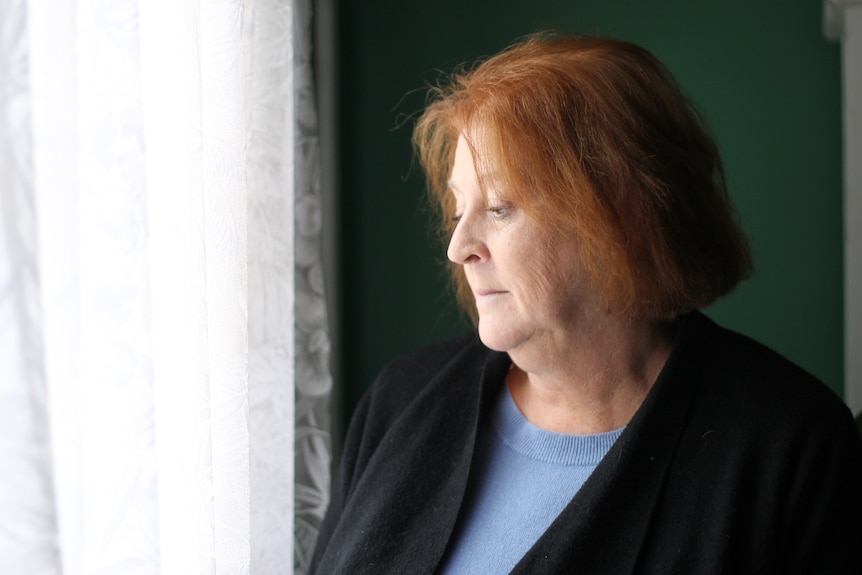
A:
[500,211]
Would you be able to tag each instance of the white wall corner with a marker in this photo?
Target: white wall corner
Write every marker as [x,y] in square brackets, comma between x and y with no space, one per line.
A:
[842,21]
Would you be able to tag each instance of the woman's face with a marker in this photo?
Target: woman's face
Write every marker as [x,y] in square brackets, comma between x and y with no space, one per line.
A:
[528,282]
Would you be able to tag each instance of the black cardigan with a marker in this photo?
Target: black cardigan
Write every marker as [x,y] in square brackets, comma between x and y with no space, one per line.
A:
[737,462]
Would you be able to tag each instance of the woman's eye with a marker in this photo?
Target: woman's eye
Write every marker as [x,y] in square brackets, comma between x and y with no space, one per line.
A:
[501,211]
[456,219]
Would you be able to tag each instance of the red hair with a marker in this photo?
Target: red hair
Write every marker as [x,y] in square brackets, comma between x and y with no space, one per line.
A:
[593,136]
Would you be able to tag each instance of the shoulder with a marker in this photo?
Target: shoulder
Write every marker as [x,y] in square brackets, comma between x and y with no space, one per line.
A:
[417,381]
[409,375]
[759,378]
[752,403]
[415,395]
[760,446]
[748,402]
[426,362]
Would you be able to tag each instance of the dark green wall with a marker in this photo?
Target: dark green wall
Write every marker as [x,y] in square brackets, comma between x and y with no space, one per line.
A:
[765,78]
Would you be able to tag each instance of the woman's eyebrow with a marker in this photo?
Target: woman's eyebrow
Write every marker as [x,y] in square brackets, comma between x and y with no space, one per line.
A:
[454,189]
[490,181]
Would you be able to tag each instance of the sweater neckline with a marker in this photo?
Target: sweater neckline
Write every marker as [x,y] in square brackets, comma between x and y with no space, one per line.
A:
[517,433]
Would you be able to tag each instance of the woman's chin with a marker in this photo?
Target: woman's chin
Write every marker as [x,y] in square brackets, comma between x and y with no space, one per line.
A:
[495,337]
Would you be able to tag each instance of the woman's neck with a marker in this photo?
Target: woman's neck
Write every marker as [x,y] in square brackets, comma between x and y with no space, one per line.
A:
[593,384]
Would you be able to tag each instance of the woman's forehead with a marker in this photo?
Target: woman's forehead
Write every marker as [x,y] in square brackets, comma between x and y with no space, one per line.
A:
[475,162]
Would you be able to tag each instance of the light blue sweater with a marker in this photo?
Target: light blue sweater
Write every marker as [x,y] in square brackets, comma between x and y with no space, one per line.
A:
[522,479]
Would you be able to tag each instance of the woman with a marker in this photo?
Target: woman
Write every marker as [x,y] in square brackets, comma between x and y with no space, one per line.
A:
[598,423]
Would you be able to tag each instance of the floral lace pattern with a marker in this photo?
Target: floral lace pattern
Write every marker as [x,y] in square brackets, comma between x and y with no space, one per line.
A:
[164,401]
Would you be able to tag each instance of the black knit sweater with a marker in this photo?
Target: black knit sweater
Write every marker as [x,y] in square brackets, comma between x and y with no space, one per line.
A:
[737,462]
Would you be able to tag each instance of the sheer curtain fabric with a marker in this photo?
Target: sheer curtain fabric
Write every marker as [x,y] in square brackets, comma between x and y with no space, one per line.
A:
[162,325]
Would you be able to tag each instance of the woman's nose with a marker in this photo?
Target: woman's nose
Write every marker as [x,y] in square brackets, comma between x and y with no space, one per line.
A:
[466,244]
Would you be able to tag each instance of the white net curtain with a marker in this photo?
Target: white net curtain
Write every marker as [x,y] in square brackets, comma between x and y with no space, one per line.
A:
[163,346]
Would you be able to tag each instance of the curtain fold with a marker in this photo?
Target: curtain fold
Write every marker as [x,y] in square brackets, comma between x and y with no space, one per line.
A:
[164,403]
[26,504]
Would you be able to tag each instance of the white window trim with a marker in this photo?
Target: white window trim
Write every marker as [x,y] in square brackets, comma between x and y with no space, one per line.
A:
[842,21]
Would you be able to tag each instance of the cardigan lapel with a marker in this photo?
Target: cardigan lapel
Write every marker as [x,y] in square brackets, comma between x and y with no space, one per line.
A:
[602,529]
[424,462]
[455,458]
